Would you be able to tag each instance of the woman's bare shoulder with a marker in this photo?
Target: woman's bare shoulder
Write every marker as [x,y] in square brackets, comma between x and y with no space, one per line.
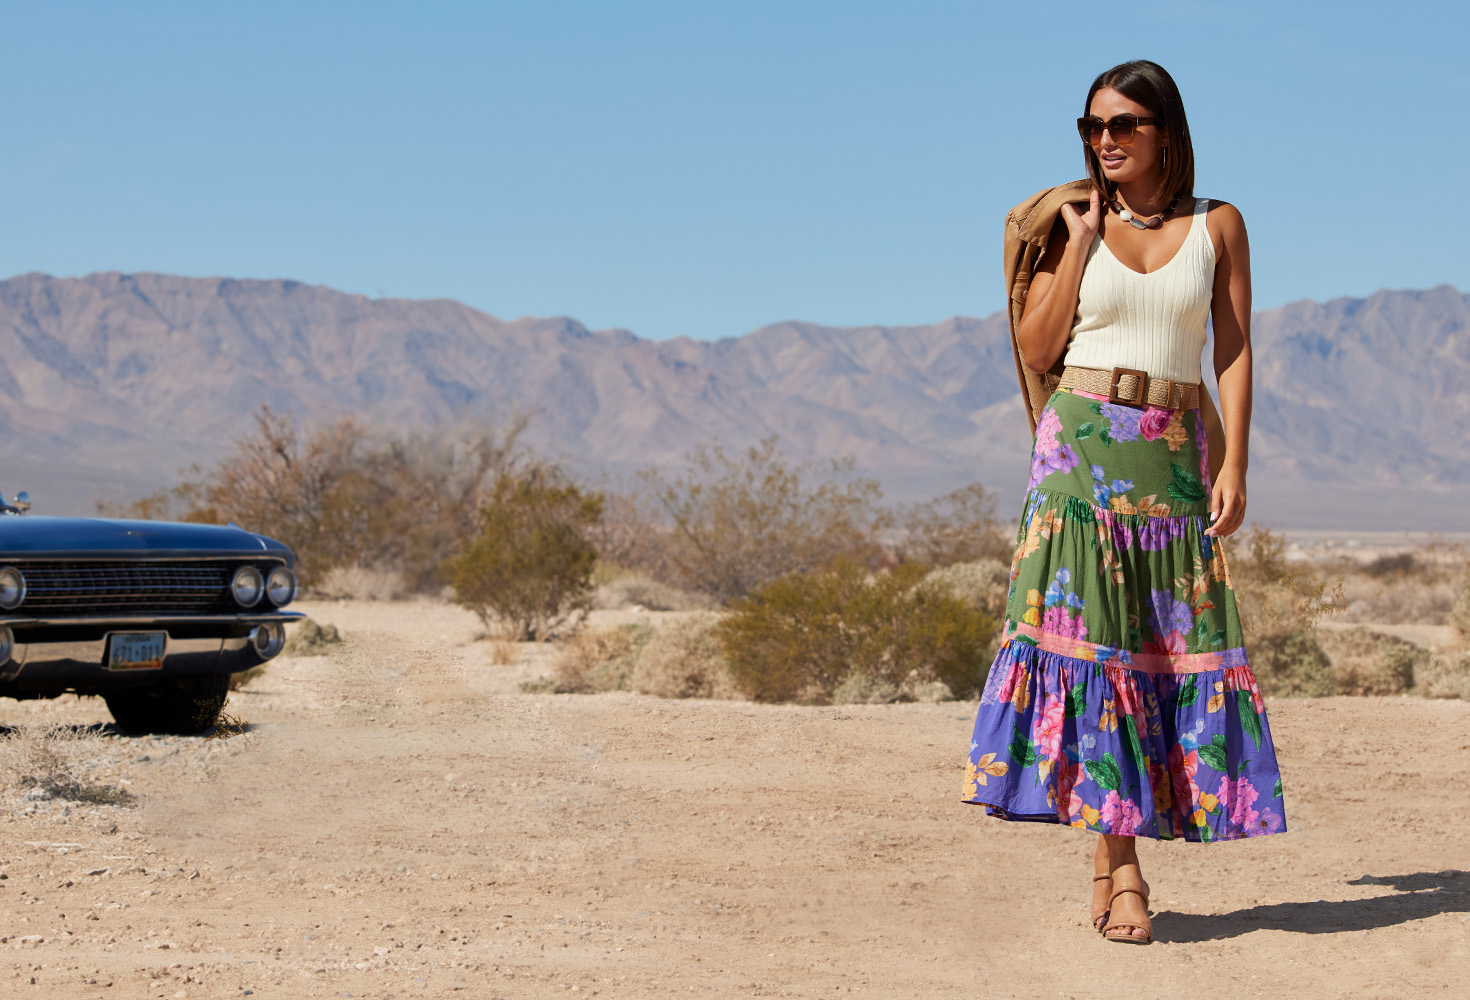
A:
[1226,227]
[1224,218]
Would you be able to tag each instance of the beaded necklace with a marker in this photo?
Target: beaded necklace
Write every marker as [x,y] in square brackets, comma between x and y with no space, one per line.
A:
[1153,222]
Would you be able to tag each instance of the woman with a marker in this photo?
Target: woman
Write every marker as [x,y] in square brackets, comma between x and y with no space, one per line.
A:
[1122,701]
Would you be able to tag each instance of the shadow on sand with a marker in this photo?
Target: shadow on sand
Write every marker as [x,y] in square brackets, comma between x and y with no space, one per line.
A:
[1420,895]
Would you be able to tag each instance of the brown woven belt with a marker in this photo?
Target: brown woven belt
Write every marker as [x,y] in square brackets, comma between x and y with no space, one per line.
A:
[1131,386]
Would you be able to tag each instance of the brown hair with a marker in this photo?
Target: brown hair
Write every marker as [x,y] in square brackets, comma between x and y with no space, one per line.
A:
[1149,84]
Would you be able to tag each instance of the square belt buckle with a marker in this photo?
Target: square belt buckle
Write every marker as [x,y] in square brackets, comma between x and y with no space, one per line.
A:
[1117,376]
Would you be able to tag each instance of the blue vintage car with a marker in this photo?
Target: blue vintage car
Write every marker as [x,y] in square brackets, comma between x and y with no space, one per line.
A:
[153,616]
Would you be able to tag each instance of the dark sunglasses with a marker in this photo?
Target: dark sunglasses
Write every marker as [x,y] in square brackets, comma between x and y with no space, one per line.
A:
[1121,127]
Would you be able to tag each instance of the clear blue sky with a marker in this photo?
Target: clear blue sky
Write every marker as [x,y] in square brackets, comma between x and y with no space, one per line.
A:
[704,168]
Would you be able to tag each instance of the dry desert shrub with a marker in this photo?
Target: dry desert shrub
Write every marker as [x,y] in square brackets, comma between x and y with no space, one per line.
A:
[959,527]
[684,659]
[1291,665]
[344,494]
[983,584]
[45,760]
[1445,675]
[502,653]
[799,637]
[1459,615]
[1423,594]
[528,573]
[630,590]
[312,638]
[597,659]
[361,583]
[1279,611]
[861,689]
[731,521]
[1365,662]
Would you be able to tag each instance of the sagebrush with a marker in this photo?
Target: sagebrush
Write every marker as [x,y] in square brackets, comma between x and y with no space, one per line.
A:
[797,638]
[528,572]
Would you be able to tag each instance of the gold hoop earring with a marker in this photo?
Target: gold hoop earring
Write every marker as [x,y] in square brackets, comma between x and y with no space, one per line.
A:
[1166,157]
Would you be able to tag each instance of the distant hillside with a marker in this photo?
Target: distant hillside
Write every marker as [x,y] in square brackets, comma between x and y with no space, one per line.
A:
[112,383]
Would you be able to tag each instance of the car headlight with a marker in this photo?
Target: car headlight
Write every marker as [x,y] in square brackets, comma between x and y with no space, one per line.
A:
[280,586]
[12,587]
[247,586]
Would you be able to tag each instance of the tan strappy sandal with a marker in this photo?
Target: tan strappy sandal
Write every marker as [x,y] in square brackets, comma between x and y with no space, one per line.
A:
[1126,881]
[1100,917]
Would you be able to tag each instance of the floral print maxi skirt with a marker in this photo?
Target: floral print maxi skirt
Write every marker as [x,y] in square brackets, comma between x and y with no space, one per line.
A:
[1121,700]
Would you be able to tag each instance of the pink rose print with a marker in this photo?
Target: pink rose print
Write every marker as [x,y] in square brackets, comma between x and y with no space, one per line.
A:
[1057,620]
[1069,803]
[1046,733]
[1121,815]
[1236,798]
[1153,422]
[1047,429]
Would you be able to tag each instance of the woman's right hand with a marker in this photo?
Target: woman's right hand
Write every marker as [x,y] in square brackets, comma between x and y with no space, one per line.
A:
[1083,227]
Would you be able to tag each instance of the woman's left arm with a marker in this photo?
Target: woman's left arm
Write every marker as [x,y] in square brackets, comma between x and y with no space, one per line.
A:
[1231,312]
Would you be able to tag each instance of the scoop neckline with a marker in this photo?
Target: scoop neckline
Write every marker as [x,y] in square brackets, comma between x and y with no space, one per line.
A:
[1195,221]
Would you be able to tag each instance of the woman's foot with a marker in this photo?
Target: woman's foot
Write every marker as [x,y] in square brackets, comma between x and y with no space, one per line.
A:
[1128,920]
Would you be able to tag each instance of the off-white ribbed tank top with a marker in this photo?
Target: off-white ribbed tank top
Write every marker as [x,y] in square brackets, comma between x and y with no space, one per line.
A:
[1154,322]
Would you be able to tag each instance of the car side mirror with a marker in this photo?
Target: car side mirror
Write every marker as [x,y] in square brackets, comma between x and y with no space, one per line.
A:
[22,501]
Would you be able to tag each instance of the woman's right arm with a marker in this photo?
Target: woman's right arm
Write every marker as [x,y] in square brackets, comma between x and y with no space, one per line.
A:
[1051,301]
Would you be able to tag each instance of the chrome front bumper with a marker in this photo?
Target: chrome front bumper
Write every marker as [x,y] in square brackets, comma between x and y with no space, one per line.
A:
[70,652]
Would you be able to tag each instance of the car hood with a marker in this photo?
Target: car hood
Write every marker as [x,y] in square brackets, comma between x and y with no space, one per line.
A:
[33,537]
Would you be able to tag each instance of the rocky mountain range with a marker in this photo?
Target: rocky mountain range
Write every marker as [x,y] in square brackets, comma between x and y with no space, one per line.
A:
[111,383]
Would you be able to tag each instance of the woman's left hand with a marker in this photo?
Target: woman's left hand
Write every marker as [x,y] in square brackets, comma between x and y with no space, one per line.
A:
[1227,503]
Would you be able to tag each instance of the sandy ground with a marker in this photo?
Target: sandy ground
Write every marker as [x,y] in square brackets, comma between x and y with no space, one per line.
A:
[401,822]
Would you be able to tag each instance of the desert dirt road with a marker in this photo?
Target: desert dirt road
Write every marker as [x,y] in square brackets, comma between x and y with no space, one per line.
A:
[401,822]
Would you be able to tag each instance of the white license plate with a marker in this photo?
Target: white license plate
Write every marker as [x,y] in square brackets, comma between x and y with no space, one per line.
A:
[136,650]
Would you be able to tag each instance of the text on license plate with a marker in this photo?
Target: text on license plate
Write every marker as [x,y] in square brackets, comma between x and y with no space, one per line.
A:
[136,651]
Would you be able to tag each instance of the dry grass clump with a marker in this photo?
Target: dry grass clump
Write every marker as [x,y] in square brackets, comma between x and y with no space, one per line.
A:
[312,638]
[1365,662]
[1445,675]
[684,659]
[864,689]
[45,761]
[361,583]
[1447,672]
[1459,615]
[227,725]
[599,659]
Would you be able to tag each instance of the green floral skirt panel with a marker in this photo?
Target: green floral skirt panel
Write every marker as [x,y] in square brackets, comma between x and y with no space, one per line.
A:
[1122,700]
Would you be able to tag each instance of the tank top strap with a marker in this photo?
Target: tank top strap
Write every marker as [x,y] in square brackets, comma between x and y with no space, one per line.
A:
[1201,208]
